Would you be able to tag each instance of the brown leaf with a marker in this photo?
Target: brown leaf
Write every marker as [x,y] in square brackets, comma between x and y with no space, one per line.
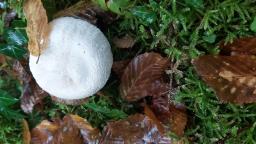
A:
[32,94]
[2,59]
[77,130]
[124,42]
[119,66]
[174,117]
[135,129]
[143,77]
[231,77]
[45,132]
[72,130]
[148,112]
[26,132]
[242,46]
[37,26]
[89,11]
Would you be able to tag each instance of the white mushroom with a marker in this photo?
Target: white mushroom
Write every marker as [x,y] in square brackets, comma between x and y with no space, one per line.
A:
[77,61]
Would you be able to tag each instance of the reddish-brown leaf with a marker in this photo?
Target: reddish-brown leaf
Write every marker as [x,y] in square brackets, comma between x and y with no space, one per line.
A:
[233,78]
[119,66]
[72,130]
[242,46]
[32,94]
[174,117]
[45,132]
[124,42]
[135,129]
[143,77]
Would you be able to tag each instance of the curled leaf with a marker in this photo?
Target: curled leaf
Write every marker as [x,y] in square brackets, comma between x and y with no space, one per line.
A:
[233,78]
[135,129]
[37,26]
[143,77]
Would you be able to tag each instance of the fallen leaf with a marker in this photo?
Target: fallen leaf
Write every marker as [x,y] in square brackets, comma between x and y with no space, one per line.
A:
[231,77]
[174,117]
[135,129]
[45,132]
[148,112]
[32,94]
[124,42]
[26,132]
[37,26]
[89,11]
[242,46]
[143,77]
[2,59]
[72,130]
[119,66]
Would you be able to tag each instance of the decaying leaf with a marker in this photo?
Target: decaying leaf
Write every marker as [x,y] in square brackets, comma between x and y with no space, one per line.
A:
[2,59]
[135,129]
[233,78]
[72,130]
[143,77]
[26,132]
[45,132]
[119,66]
[242,46]
[89,11]
[174,117]
[37,26]
[124,42]
[32,94]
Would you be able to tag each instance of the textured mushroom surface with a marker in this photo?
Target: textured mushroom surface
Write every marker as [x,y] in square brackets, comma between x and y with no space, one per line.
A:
[77,61]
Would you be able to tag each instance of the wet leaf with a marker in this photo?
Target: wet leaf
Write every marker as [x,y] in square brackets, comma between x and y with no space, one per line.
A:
[231,77]
[242,46]
[45,132]
[37,26]
[72,130]
[124,42]
[144,14]
[26,132]
[253,25]
[143,77]
[15,37]
[14,51]
[174,117]
[135,129]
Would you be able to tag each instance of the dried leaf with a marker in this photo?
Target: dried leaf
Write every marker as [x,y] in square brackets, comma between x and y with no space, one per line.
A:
[119,66]
[135,129]
[124,42]
[242,46]
[76,130]
[32,94]
[231,77]
[143,77]
[72,130]
[26,132]
[174,117]
[45,132]
[89,11]
[37,26]
[148,112]
[2,59]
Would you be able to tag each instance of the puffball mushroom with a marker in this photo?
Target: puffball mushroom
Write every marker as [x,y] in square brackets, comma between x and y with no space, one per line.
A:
[77,61]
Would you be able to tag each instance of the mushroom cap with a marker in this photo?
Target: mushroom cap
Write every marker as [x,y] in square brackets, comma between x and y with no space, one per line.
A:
[77,62]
